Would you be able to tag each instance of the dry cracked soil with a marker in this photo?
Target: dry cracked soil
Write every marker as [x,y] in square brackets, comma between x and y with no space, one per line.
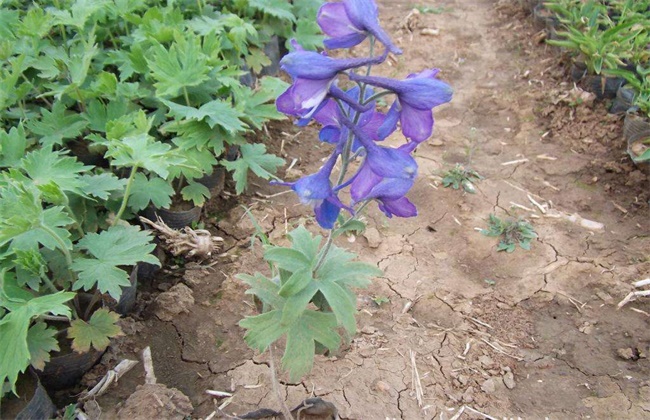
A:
[453,325]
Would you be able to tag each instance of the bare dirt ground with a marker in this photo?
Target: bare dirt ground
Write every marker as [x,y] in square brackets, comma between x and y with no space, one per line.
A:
[532,334]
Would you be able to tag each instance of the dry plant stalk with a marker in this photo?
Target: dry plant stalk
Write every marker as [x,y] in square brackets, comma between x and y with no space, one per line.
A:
[186,242]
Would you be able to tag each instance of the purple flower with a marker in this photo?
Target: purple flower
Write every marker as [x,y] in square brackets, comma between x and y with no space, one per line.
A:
[389,191]
[313,75]
[416,96]
[316,190]
[349,23]
[335,131]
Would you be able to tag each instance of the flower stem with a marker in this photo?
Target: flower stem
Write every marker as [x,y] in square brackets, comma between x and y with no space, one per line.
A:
[376,96]
[187,97]
[127,193]
[50,285]
[325,250]
[372,50]
[60,242]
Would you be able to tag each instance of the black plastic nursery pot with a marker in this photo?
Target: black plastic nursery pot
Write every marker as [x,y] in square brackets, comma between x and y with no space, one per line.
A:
[636,130]
[65,370]
[175,219]
[127,300]
[623,101]
[32,402]
[214,182]
[603,87]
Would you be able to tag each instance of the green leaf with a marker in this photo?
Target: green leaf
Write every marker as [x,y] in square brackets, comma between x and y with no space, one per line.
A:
[114,247]
[196,193]
[254,158]
[25,224]
[339,300]
[262,287]
[12,146]
[181,66]
[277,8]
[303,241]
[97,332]
[215,113]
[288,259]
[44,166]
[14,353]
[101,185]
[312,327]
[142,151]
[57,125]
[257,59]
[262,329]
[41,340]
[296,283]
[144,191]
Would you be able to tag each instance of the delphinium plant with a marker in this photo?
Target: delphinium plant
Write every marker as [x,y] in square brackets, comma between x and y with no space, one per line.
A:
[308,296]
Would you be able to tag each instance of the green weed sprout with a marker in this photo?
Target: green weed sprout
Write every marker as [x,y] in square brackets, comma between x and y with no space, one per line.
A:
[461,177]
[511,232]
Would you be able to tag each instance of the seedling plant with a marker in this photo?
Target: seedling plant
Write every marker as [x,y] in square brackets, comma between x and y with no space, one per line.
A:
[460,176]
[512,232]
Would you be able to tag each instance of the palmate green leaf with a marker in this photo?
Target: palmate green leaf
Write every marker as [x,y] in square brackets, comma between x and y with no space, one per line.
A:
[99,114]
[10,90]
[44,166]
[15,352]
[196,193]
[257,59]
[12,146]
[277,8]
[41,340]
[257,108]
[81,56]
[262,287]
[97,332]
[57,125]
[302,335]
[303,241]
[288,259]
[142,151]
[308,34]
[25,223]
[195,135]
[181,66]
[101,185]
[296,283]
[144,191]
[254,158]
[78,13]
[116,246]
[215,113]
[313,327]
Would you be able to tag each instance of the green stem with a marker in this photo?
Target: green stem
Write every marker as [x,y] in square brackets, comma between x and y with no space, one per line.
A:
[60,242]
[376,96]
[81,99]
[187,97]
[372,50]
[49,284]
[127,193]
[325,250]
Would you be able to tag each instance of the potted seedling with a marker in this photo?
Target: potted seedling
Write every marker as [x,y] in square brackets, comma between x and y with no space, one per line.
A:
[56,273]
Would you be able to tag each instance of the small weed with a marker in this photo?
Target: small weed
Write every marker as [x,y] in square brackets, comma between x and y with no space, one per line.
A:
[432,10]
[379,300]
[461,177]
[512,232]
[489,282]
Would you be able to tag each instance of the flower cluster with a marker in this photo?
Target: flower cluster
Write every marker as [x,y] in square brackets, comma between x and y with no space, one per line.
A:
[349,117]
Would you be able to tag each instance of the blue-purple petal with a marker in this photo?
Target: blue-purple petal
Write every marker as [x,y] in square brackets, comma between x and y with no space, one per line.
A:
[326,213]
[390,122]
[417,124]
[401,207]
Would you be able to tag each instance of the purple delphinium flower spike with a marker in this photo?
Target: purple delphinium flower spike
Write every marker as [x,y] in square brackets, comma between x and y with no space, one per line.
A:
[316,189]
[348,23]
[416,96]
[313,74]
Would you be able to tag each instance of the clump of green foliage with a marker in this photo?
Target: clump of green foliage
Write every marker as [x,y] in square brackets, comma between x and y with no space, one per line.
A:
[461,176]
[512,232]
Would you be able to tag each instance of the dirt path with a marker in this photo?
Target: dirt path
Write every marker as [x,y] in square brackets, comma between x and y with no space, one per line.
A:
[533,334]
